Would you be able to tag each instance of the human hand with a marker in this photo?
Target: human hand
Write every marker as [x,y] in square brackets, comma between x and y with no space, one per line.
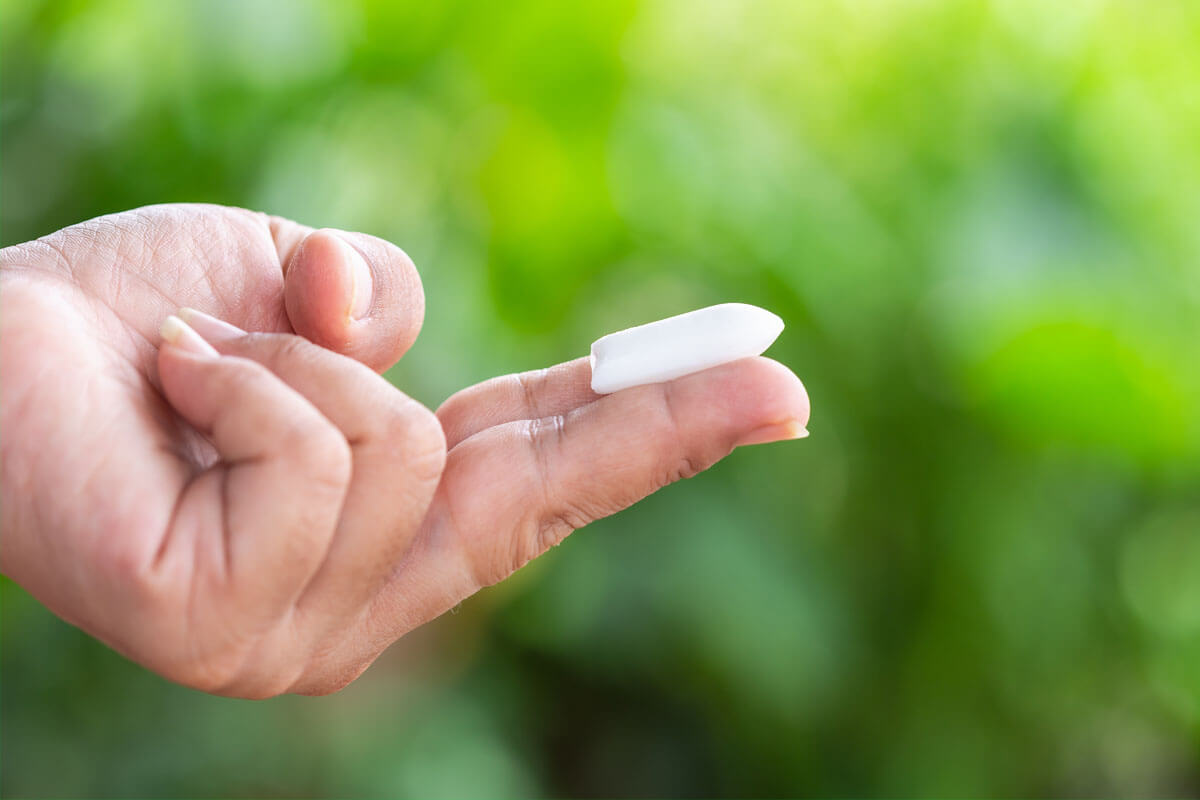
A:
[258,513]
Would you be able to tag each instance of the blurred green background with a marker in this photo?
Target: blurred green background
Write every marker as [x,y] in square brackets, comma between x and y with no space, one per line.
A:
[979,576]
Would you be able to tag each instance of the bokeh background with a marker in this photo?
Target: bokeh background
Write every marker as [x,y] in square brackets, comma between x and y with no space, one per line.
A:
[979,576]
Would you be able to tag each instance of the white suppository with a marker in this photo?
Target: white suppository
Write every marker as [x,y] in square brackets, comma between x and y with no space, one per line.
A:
[676,346]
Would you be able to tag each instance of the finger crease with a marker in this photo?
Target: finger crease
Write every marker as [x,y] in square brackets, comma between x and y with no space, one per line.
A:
[526,383]
[538,429]
[226,527]
[668,396]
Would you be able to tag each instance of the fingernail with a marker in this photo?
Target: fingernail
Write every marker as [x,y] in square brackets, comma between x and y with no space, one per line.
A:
[176,332]
[774,433]
[362,281]
[209,327]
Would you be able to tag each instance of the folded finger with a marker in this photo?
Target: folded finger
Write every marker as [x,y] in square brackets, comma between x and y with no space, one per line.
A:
[398,453]
[258,523]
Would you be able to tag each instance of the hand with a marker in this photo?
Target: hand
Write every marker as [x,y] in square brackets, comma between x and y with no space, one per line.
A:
[257,513]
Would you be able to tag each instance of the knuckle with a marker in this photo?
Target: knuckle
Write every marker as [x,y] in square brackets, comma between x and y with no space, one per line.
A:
[683,467]
[688,460]
[330,462]
[125,564]
[242,379]
[530,384]
[554,518]
[324,684]
[491,564]
[330,672]
[212,664]
[320,449]
[413,435]
[312,522]
[428,447]
[130,566]
[285,348]
[278,352]
[530,540]
[226,676]
[545,437]
[450,410]
[238,378]
[213,674]
[669,411]
[552,529]
[253,667]
[261,687]
[548,530]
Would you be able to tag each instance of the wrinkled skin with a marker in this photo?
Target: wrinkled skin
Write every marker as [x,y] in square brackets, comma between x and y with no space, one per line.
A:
[269,515]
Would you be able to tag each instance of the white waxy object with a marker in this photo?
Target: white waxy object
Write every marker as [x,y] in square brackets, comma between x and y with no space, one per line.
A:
[676,346]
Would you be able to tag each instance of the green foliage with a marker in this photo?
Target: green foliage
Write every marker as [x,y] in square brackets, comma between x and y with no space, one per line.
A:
[979,576]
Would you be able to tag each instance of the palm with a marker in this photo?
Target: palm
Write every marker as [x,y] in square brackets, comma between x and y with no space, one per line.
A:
[88,303]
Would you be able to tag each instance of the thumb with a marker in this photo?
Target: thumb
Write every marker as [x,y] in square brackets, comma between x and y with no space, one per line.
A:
[355,294]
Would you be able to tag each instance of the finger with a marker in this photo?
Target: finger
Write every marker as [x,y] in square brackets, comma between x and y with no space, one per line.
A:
[525,395]
[352,293]
[398,453]
[514,490]
[510,492]
[260,520]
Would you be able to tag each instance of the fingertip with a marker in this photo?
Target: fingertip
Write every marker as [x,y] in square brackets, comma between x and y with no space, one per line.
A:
[355,294]
[214,331]
[787,398]
[319,290]
[356,289]
[185,366]
[773,433]
[751,394]
[177,333]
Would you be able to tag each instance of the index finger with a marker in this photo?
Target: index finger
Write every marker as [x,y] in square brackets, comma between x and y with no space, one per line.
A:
[525,395]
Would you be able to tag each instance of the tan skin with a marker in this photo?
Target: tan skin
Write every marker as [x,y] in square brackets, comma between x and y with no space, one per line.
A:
[257,513]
